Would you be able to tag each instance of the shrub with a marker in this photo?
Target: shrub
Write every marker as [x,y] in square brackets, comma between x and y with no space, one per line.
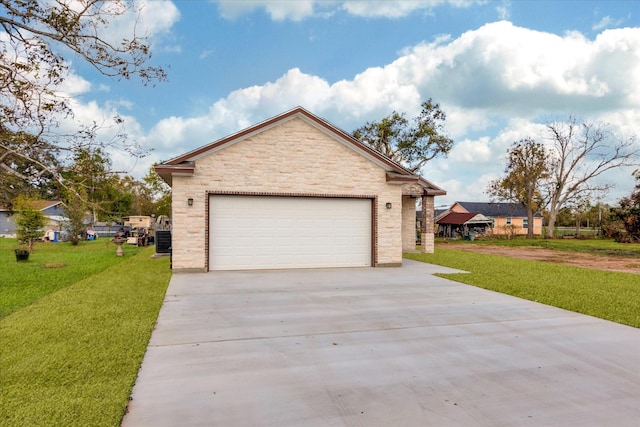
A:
[29,222]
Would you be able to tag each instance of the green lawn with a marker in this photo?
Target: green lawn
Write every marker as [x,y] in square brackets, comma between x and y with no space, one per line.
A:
[51,267]
[592,246]
[71,347]
[76,320]
[608,295]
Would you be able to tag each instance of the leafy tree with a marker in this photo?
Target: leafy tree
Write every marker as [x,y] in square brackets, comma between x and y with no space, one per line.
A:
[76,209]
[29,222]
[89,175]
[579,207]
[412,144]
[139,194]
[108,195]
[586,214]
[598,214]
[628,212]
[581,152]
[40,40]
[160,192]
[565,217]
[526,170]
[20,166]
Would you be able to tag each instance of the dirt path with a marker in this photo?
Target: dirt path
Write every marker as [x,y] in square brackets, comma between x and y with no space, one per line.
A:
[597,262]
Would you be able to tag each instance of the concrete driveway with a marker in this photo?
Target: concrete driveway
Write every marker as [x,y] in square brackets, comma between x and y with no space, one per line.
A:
[378,347]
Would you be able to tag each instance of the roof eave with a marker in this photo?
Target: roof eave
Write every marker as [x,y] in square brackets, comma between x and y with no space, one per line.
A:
[430,189]
[168,171]
[398,178]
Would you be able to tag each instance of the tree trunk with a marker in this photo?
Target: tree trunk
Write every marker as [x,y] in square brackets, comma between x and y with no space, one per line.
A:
[530,223]
[551,223]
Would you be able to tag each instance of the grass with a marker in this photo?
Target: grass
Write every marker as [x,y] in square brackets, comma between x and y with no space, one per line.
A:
[77,320]
[51,267]
[608,295]
[70,355]
[593,246]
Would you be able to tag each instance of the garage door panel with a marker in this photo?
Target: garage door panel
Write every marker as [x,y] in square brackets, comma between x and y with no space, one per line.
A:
[258,232]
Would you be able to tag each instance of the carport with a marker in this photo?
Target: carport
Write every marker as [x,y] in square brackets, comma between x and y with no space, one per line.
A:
[377,347]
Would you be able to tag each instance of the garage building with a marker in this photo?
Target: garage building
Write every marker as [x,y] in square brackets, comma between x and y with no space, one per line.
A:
[293,192]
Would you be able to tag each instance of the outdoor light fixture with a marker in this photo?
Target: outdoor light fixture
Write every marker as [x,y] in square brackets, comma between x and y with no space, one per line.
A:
[190,201]
[388,205]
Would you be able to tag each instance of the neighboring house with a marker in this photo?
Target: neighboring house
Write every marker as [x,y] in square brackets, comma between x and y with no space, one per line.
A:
[508,218]
[140,221]
[292,192]
[462,224]
[436,214]
[51,209]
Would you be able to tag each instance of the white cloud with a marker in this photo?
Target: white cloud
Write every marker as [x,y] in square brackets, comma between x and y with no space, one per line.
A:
[147,18]
[206,53]
[374,93]
[278,10]
[119,104]
[627,121]
[73,85]
[158,16]
[388,9]
[461,121]
[298,10]
[496,84]
[607,22]
[151,19]
[504,10]
[507,69]
[468,151]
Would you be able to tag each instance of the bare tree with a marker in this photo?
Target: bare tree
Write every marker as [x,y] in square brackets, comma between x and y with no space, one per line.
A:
[37,41]
[580,152]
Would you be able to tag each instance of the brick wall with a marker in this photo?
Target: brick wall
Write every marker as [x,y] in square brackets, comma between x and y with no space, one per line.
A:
[291,158]
[408,224]
[428,203]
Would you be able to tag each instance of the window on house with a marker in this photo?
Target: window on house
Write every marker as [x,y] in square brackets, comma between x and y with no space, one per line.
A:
[509,221]
[525,223]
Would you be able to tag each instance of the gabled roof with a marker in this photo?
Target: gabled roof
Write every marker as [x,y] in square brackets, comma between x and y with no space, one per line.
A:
[459,218]
[184,165]
[41,205]
[436,214]
[45,204]
[496,209]
[440,213]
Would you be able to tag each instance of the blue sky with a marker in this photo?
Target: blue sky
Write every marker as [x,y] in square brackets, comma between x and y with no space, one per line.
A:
[499,69]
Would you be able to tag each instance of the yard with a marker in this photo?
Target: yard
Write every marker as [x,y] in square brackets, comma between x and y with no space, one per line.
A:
[595,254]
[74,326]
[595,277]
[75,321]
[604,247]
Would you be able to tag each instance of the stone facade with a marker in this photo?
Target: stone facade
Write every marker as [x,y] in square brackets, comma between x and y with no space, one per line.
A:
[408,224]
[295,154]
[293,158]
[427,232]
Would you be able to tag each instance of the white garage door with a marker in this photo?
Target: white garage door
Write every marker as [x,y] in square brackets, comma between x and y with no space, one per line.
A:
[260,232]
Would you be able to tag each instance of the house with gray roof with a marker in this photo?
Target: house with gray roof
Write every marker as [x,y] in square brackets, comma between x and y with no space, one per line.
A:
[507,218]
[51,209]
